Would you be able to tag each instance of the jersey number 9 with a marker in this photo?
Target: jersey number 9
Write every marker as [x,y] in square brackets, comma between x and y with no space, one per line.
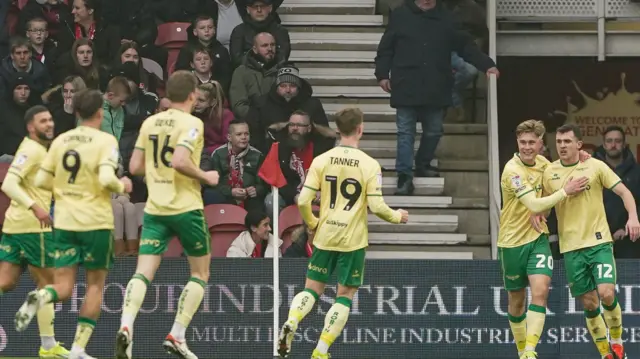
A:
[344,191]
[165,151]
[71,163]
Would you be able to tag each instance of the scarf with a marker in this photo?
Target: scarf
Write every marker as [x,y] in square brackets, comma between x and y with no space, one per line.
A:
[301,161]
[257,251]
[92,31]
[236,168]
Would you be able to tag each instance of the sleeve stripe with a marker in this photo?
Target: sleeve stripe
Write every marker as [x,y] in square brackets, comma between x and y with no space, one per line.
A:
[615,184]
[46,170]
[529,191]
[374,194]
[311,188]
[185,146]
[14,170]
[139,148]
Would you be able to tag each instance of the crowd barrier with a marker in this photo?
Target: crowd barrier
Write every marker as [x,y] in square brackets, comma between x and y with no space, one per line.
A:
[407,309]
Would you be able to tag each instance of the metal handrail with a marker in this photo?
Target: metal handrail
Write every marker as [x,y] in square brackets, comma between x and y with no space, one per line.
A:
[493,148]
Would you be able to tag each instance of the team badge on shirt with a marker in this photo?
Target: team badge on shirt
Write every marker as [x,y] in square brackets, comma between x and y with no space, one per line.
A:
[516,181]
[115,155]
[20,159]
[193,134]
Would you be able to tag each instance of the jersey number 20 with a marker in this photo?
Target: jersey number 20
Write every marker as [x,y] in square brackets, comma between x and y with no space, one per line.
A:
[164,151]
[344,191]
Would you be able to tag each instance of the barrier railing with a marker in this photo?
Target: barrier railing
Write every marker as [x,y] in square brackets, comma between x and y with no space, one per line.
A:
[492,123]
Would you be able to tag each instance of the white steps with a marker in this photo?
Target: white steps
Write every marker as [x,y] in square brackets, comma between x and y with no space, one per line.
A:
[418,201]
[374,254]
[350,91]
[420,223]
[423,186]
[368,109]
[331,73]
[329,4]
[417,238]
[332,56]
[336,38]
[389,164]
[330,20]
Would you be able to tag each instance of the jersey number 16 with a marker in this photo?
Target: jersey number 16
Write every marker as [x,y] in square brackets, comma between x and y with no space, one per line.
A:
[164,152]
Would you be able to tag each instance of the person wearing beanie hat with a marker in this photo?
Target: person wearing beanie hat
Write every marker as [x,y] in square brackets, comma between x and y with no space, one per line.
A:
[289,75]
[130,71]
[14,105]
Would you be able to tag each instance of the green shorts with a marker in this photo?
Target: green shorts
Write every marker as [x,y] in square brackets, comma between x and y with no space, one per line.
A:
[190,228]
[586,268]
[93,249]
[350,266]
[518,263]
[35,249]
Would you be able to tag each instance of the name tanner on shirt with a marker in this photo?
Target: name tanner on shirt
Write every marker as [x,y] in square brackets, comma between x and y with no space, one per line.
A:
[345,161]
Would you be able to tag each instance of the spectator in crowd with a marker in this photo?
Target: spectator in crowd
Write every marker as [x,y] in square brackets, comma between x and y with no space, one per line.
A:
[289,93]
[20,60]
[301,243]
[60,104]
[180,11]
[238,163]
[257,241]
[413,63]
[56,13]
[202,35]
[88,25]
[228,15]
[5,9]
[202,65]
[118,91]
[210,109]
[82,62]
[163,105]
[42,48]
[260,19]
[301,141]
[14,104]
[126,225]
[129,52]
[615,153]
[255,76]
[136,23]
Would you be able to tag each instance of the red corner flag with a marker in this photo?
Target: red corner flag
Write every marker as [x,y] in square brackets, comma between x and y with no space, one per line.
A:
[270,170]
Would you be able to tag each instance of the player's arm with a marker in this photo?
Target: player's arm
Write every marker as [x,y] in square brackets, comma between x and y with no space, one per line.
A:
[308,194]
[181,160]
[518,184]
[44,177]
[376,202]
[108,166]
[20,167]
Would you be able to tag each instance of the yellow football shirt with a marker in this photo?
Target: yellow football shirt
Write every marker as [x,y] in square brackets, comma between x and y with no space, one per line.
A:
[346,177]
[519,179]
[25,165]
[74,160]
[170,192]
[582,222]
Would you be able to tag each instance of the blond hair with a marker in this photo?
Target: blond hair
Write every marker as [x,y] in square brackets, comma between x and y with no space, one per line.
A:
[348,120]
[215,96]
[531,126]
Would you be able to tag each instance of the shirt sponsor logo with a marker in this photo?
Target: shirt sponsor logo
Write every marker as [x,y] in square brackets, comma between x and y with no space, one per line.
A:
[318,269]
[150,242]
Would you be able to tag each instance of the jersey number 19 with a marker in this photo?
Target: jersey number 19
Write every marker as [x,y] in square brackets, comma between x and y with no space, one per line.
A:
[344,187]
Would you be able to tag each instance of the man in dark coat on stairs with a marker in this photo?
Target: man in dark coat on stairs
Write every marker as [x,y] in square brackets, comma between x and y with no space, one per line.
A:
[413,63]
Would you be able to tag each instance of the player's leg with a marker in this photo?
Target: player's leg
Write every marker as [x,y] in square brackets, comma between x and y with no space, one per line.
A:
[319,270]
[97,253]
[584,288]
[604,272]
[193,232]
[155,238]
[513,263]
[350,278]
[68,256]
[10,263]
[539,271]
[39,252]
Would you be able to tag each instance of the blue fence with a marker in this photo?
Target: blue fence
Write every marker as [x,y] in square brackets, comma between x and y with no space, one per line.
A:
[407,309]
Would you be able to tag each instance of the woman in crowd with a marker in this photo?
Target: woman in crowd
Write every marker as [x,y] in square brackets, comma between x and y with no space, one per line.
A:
[216,118]
[59,100]
[129,51]
[301,243]
[84,64]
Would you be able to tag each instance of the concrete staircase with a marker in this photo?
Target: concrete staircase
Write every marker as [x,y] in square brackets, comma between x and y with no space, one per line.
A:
[334,44]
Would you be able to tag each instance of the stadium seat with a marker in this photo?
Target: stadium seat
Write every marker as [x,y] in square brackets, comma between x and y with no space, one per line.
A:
[4,167]
[288,220]
[226,222]
[153,68]
[22,3]
[172,35]
[11,22]
[171,60]
[4,204]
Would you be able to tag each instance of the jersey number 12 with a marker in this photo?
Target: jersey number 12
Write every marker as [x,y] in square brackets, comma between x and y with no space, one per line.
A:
[164,151]
[344,191]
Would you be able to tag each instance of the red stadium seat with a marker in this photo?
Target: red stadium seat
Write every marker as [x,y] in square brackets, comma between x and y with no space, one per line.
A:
[4,167]
[11,22]
[172,35]
[226,222]
[22,3]
[171,60]
[4,205]
[288,221]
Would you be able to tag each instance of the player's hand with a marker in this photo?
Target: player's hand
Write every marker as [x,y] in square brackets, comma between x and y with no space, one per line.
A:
[318,196]
[42,216]
[536,222]
[239,193]
[619,234]
[251,191]
[128,185]
[633,229]
[211,178]
[583,155]
[404,216]
[574,186]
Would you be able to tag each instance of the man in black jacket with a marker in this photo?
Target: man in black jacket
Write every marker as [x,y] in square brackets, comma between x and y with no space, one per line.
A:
[21,60]
[14,105]
[413,63]
[616,154]
[290,93]
[261,19]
